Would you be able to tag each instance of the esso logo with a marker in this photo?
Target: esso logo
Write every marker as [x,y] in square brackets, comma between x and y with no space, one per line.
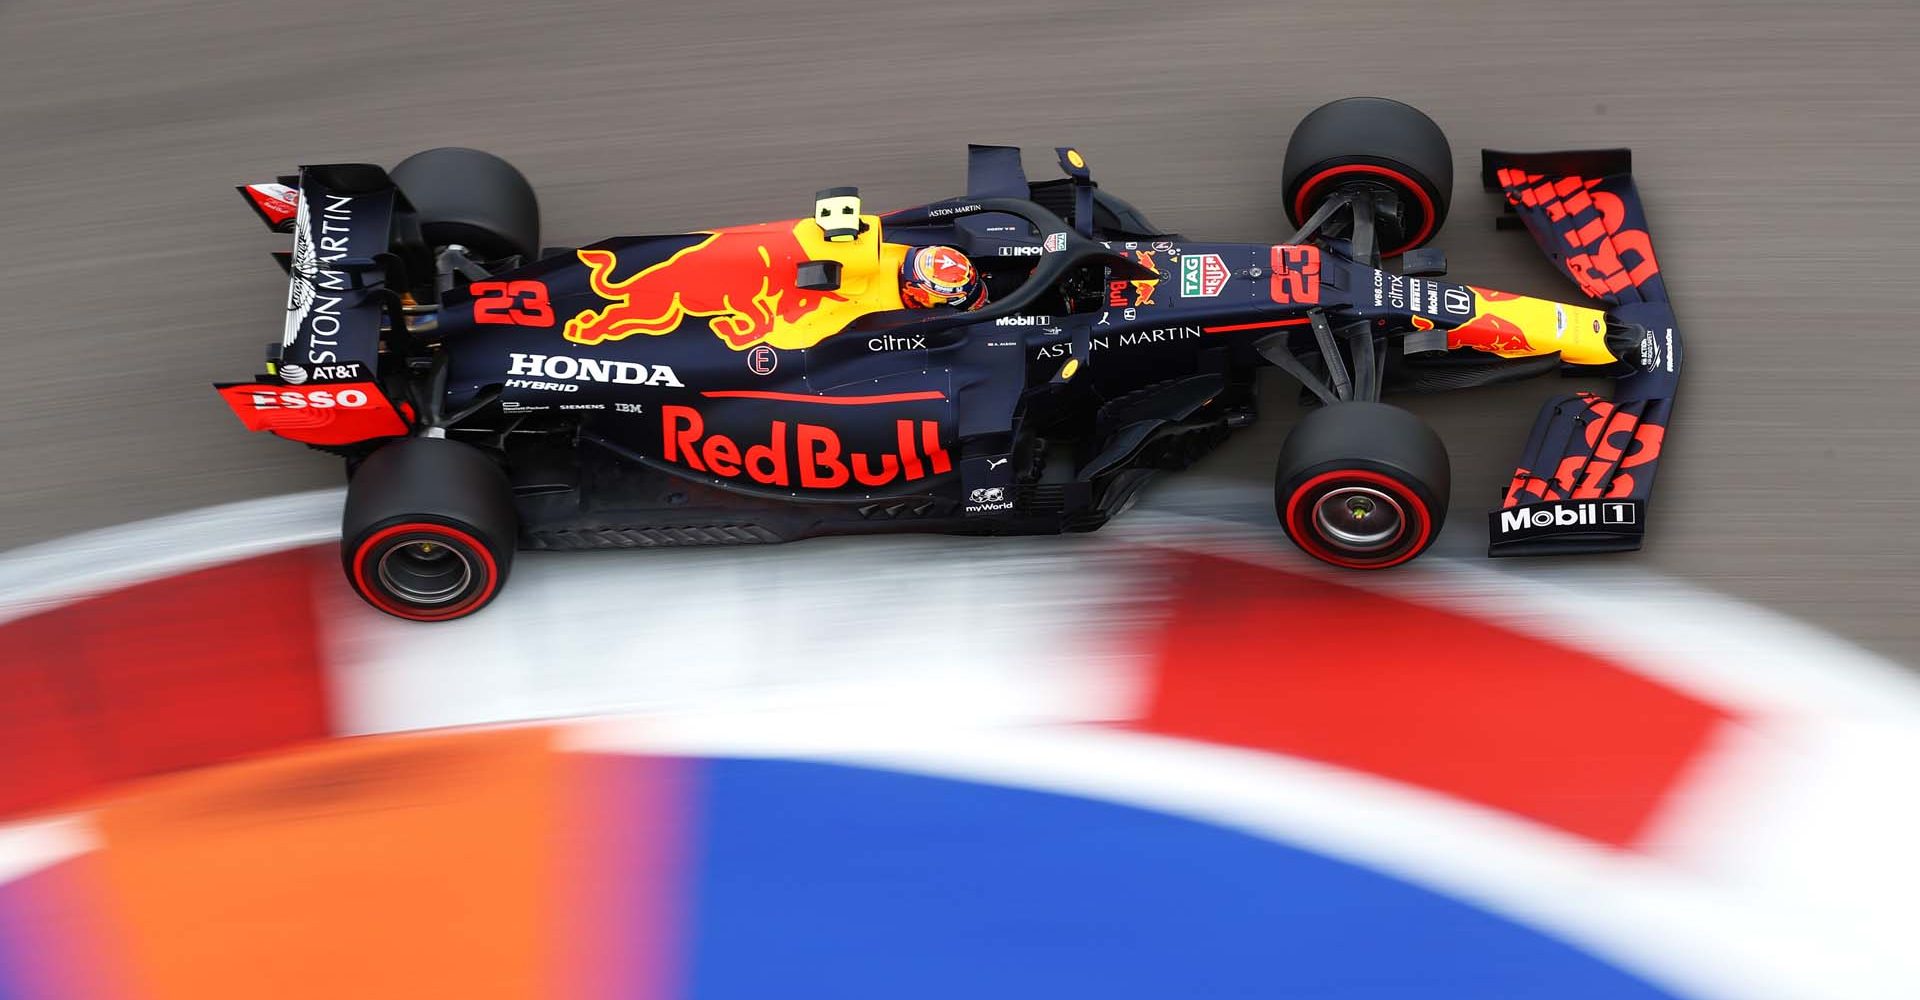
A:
[318,399]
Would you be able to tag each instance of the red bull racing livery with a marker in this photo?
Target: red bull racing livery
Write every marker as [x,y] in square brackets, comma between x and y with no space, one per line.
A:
[1021,359]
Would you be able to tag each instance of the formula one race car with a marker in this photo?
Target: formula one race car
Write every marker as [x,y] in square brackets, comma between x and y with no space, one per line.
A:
[1018,360]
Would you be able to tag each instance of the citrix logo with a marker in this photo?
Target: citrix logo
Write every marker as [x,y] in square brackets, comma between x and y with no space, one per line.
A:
[893,343]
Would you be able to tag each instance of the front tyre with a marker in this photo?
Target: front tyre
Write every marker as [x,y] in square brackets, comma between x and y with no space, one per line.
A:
[1372,143]
[429,528]
[1362,485]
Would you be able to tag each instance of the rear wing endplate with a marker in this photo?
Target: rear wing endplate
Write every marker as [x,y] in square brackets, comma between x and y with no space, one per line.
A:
[321,385]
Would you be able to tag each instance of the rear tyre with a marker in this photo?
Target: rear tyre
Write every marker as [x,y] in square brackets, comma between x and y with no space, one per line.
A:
[471,198]
[1362,485]
[1372,143]
[429,529]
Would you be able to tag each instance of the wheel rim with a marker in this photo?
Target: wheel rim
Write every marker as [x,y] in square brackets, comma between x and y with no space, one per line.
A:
[391,572]
[1358,519]
[1329,492]
[425,572]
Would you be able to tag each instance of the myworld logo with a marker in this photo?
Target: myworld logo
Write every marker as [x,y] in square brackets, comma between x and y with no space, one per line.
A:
[1567,516]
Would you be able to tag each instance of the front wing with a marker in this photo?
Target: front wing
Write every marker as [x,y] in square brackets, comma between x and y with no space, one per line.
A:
[1586,474]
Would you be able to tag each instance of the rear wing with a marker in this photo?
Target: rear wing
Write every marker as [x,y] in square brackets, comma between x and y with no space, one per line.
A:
[1586,473]
[321,384]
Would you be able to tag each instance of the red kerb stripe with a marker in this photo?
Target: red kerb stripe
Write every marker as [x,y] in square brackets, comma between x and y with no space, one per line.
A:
[1256,657]
[160,676]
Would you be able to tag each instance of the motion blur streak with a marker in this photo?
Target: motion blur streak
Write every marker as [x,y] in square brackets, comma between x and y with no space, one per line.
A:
[1580,772]
[1510,803]
[960,766]
[425,864]
[1775,139]
[151,686]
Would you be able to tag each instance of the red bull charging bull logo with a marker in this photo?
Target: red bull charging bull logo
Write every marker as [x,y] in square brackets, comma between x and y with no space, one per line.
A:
[744,280]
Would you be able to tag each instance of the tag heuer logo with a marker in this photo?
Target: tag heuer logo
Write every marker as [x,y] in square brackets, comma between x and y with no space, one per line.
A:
[1202,275]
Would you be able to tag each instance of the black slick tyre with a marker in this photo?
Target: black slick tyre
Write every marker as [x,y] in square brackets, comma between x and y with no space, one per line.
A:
[1372,142]
[471,198]
[1362,485]
[429,530]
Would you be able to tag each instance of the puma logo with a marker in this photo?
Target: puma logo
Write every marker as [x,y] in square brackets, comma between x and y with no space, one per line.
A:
[995,463]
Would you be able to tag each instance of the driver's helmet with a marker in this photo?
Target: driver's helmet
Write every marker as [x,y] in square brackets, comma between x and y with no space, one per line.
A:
[940,276]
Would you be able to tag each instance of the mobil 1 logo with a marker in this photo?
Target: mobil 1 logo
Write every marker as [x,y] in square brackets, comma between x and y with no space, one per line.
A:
[1570,517]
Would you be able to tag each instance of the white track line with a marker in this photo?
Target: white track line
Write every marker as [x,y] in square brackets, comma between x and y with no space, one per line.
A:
[29,846]
[990,631]
[44,575]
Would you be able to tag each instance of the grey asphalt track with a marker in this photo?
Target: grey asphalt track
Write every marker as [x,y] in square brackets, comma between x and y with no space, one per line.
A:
[1775,142]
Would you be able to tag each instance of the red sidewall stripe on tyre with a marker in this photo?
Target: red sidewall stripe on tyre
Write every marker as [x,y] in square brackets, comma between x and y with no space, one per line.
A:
[1398,489]
[1420,192]
[374,597]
